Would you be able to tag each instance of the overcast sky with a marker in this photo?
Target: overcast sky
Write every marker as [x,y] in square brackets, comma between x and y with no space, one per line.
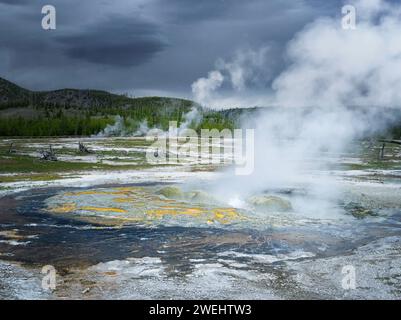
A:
[143,47]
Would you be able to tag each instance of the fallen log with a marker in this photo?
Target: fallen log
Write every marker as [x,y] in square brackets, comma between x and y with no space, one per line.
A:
[83,149]
[48,155]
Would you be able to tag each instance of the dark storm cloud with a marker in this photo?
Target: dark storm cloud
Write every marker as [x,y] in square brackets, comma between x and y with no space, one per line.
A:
[14,2]
[118,41]
[142,45]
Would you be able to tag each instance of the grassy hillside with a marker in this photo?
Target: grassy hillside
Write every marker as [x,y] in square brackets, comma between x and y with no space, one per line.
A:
[72,112]
[80,112]
[12,95]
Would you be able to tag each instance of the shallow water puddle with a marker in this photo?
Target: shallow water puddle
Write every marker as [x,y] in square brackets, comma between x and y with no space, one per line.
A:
[155,236]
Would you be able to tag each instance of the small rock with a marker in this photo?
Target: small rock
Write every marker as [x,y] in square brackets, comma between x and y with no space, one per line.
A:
[171,192]
[200,197]
[358,211]
[86,290]
[270,203]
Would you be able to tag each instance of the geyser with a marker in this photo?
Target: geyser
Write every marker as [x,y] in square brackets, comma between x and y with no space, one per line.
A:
[333,92]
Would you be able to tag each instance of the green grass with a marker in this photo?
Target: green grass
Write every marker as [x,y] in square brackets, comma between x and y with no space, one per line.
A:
[30,177]
[50,170]
[26,164]
[384,165]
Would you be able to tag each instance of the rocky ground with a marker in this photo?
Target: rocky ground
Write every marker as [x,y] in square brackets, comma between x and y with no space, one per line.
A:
[189,241]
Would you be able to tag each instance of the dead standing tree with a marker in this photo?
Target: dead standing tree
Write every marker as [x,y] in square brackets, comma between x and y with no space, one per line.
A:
[384,141]
[381,152]
[11,148]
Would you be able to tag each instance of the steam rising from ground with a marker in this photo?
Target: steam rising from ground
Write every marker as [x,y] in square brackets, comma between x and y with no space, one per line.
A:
[116,129]
[329,70]
[295,149]
[192,118]
[120,129]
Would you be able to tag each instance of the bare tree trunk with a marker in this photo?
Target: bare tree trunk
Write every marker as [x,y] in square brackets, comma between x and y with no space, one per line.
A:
[381,153]
[10,150]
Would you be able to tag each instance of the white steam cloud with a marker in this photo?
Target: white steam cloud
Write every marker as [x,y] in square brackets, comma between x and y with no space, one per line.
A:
[334,67]
[247,67]
[193,117]
[119,129]
[203,88]
[327,65]
[112,130]
[330,69]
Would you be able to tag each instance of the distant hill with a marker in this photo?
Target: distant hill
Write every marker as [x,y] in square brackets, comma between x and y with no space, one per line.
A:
[85,112]
[77,112]
[12,95]
[25,112]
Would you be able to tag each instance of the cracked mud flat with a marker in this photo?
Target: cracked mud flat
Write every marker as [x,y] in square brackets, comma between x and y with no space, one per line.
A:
[129,240]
